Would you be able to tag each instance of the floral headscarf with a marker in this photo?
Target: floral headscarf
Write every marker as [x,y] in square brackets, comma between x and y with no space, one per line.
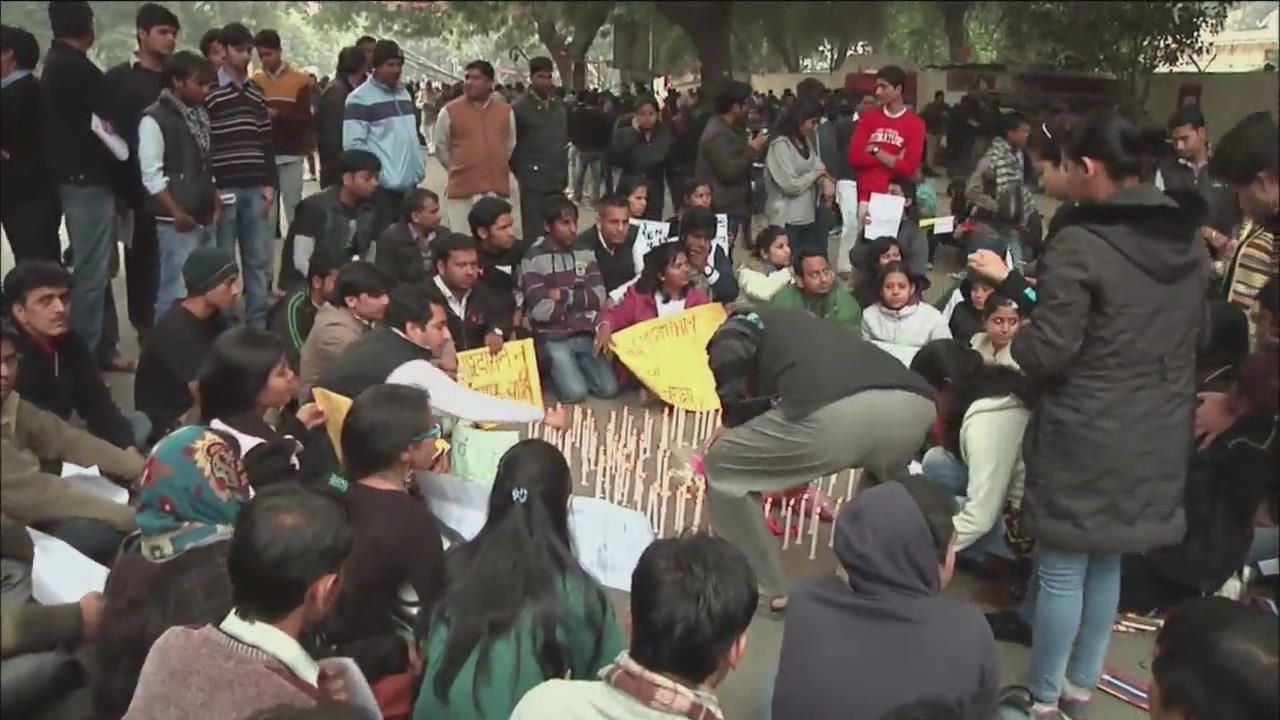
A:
[192,489]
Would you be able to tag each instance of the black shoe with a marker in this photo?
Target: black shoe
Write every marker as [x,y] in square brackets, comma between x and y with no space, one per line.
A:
[1007,626]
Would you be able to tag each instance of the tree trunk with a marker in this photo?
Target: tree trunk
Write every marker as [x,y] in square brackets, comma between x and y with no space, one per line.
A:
[707,23]
[953,24]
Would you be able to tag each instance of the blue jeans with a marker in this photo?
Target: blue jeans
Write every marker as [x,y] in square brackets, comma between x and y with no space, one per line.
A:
[1076,604]
[946,470]
[174,248]
[577,370]
[244,223]
[140,424]
[91,213]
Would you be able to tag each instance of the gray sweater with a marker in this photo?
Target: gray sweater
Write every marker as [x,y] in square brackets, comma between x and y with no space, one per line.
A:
[791,183]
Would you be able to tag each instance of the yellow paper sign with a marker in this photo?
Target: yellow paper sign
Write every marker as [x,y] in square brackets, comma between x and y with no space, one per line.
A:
[669,355]
[335,409]
[511,374]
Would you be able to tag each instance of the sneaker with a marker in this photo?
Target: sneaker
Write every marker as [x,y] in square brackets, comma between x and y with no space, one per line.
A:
[1008,626]
[1074,708]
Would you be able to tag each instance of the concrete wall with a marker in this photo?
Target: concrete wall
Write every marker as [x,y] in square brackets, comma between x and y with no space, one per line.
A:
[1225,98]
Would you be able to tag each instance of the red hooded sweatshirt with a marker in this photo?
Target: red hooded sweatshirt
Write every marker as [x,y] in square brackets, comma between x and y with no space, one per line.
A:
[891,134]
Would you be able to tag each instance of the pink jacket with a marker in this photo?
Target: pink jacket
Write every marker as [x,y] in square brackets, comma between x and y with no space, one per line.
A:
[635,308]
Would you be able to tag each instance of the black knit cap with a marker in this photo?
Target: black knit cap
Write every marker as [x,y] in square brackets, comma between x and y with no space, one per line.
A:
[386,50]
[206,268]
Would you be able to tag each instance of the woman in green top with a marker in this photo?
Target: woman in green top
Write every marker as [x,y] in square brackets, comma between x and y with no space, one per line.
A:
[518,608]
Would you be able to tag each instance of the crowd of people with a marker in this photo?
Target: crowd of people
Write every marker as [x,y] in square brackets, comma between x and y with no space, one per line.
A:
[1093,403]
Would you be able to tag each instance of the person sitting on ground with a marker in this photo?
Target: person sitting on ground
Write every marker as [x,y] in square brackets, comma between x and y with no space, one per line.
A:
[966,317]
[176,346]
[340,218]
[913,241]
[613,240]
[1215,658]
[173,572]
[564,297]
[768,270]
[500,253]
[867,259]
[1001,321]
[695,193]
[692,599]
[359,300]
[982,413]
[519,608]
[636,190]
[900,322]
[30,438]
[387,436]
[814,291]
[37,668]
[245,376]
[712,268]
[293,315]
[404,251]
[663,289]
[896,545]
[58,372]
[477,318]
[287,551]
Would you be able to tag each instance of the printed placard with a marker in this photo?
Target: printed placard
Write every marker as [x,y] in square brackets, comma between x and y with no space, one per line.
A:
[511,374]
[669,355]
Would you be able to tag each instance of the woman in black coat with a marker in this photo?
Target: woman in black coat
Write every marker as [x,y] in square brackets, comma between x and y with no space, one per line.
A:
[1111,347]
[642,149]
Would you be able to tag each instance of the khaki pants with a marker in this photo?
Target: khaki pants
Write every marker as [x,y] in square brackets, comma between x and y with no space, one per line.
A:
[876,430]
[456,210]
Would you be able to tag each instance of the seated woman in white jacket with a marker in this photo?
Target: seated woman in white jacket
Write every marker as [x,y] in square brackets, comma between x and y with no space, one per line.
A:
[901,322]
[984,410]
[1000,322]
[759,281]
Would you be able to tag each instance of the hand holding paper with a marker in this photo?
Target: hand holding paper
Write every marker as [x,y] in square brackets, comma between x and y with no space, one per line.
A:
[884,215]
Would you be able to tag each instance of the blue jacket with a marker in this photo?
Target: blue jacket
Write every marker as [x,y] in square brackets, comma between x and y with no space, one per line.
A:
[380,119]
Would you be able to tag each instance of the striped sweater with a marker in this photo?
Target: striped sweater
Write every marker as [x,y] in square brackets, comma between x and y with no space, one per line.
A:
[575,273]
[240,145]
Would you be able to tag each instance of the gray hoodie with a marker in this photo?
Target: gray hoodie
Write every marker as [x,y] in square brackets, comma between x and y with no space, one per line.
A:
[886,638]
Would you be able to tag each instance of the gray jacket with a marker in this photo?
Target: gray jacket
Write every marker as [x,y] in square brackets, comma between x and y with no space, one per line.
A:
[724,161]
[540,159]
[1112,348]
[791,183]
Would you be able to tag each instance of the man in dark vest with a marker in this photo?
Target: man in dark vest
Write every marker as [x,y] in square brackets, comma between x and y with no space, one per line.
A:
[540,159]
[173,154]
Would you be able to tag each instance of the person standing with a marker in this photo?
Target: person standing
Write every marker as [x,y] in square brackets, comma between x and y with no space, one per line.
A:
[934,116]
[796,181]
[30,209]
[540,158]
[475,136]
[641,149]
[132,86]
[725,156]
[889,141]
[74,93]
[173,153]
[997,189]
[1187,171]
[211,47]
[378,117]
[287,92]
[244,168]
[349,75]
[590,132]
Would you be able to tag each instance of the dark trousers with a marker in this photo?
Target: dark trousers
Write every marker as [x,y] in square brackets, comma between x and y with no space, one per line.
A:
[387,209]
[93,538]
[531,204]
[31,224]
[142,271]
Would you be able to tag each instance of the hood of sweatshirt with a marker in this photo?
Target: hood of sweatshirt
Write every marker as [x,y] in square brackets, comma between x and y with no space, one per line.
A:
[885,545]
[1149,228]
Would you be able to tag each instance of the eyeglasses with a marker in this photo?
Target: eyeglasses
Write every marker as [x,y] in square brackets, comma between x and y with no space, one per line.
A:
[431,433]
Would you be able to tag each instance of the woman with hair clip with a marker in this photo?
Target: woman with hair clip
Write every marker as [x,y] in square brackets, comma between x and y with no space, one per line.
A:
[246,376]
[1111,347]
[519,608]
[795,178]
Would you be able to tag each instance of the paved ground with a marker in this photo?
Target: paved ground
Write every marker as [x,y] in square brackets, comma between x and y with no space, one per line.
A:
[745,693]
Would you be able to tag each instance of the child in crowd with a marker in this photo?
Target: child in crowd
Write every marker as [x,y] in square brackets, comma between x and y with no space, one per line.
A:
[773,257]
[1000,322]
[966,317]
[712,269]
[695,193]
[519,608]
[899,322]
[814,291]
[867,259]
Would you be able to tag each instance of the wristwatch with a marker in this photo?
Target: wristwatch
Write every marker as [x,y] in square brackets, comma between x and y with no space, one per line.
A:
[875,149]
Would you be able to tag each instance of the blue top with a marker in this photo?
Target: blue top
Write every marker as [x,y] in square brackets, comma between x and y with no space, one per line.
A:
[380,119]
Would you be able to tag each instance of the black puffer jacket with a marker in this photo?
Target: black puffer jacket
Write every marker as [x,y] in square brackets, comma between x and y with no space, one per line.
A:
[1112,346]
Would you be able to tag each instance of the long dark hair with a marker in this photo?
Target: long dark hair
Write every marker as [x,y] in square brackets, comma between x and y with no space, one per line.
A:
[517,566]
[793,117]
[953,364]
[236,370]
[1126,148]
[655,262]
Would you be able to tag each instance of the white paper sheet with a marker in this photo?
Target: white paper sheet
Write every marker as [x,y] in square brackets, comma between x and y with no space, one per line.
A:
[649,235]
[61,574]
[885,212]
[722,232]
[114,143]
[945,224]
[359,693]
[91,481]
